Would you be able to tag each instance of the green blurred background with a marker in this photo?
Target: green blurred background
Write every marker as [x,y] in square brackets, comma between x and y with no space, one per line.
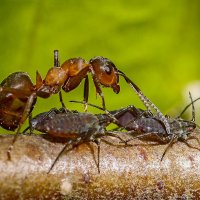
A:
[156,43]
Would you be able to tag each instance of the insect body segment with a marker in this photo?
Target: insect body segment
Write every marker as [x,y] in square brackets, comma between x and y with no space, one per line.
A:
[16,100]
[143,125]
[74,126]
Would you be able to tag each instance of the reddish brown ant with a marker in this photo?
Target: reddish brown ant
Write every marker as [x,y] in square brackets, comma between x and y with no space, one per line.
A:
[103,71]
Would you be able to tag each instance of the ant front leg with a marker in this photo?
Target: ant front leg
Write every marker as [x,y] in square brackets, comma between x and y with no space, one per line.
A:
[98,88]
[86,93]
[99,91]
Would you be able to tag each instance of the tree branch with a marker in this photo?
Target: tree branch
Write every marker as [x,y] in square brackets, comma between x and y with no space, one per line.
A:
[126,172]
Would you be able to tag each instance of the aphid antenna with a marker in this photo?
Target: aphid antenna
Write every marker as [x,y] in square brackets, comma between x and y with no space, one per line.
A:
[192,102]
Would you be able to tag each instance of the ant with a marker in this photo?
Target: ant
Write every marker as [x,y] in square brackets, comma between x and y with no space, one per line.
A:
[74,126]
[70,74]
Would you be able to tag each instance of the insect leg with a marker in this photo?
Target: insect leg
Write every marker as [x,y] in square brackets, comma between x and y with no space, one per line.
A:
[168,146]
[189,145]
[98,89]
[86,93]
[143,135]
[25,115]
[193,109]
[70,142]
[97,142]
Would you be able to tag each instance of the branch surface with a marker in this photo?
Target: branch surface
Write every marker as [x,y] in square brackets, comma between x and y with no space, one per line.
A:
[134,172]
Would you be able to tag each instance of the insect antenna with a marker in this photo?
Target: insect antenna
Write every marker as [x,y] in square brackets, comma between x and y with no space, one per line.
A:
[188,106]
[146,101]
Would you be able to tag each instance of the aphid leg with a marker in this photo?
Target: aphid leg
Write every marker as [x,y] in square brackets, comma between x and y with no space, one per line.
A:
[143,135]
[97,142]
[114,134]
[147,102]
[168,146]
[86,93]
[193,109]
[189,145]
[25,115]
[70,144]
[195,138]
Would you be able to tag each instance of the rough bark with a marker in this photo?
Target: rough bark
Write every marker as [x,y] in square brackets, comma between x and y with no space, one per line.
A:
[134,172]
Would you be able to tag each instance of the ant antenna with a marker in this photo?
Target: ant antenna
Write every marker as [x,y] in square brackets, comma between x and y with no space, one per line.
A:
[147,102]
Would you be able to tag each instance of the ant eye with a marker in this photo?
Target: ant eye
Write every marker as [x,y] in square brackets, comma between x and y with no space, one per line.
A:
[108,69]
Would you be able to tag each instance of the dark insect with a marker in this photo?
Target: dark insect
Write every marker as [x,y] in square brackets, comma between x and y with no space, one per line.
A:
[143,124]
[75,126]
[146,126]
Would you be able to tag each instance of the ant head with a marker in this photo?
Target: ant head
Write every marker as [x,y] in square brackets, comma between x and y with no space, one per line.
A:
[106,72]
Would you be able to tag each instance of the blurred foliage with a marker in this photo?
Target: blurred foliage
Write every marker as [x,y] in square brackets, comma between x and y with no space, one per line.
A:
[156,43]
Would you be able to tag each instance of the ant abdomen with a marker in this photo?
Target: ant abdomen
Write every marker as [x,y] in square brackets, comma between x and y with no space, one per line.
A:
[15,91]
